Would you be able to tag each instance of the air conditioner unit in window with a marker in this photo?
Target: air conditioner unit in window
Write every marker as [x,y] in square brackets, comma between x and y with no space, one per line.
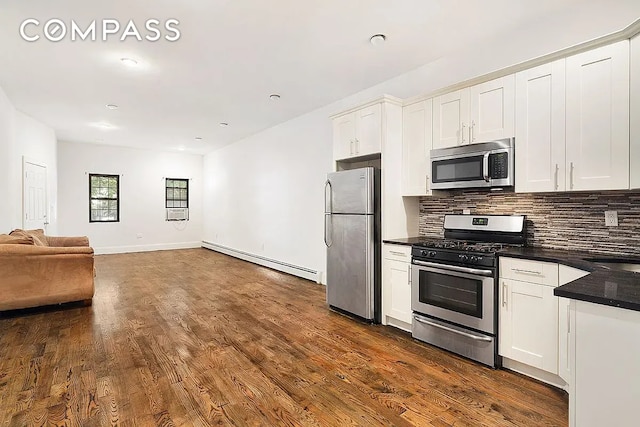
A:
[177,214]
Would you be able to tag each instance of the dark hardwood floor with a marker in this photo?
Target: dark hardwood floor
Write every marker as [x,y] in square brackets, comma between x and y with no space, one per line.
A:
[196,338]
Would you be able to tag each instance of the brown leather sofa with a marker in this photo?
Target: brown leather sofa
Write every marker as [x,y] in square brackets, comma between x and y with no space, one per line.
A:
[38,270]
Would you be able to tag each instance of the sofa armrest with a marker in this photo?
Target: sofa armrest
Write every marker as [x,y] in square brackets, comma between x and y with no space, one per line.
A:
[67,241]
[28,250]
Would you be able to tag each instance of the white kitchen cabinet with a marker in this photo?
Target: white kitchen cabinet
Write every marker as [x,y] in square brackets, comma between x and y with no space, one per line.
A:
[605,390]
[597,118]
[492,110]
[417,136]
[540,128]
[528,315]
[565,275]
[481,113]
[358,133]
[396,285]
[451,119]
[634,150]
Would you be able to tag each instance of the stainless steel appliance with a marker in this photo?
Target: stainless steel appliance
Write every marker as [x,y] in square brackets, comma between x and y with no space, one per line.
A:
[488,164]
[352,237]
[454,284]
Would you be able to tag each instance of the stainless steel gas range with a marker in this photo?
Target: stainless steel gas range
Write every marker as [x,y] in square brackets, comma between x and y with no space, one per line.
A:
[454,284]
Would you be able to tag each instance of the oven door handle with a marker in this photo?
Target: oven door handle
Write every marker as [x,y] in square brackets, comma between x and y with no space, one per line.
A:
[456,268]
[455,331]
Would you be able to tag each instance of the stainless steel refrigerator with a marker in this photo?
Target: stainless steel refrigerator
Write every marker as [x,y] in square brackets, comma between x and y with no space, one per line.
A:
[352,237]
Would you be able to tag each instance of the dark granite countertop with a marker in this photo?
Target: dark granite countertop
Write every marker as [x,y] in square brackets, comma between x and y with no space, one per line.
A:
[605,286]
[407,241]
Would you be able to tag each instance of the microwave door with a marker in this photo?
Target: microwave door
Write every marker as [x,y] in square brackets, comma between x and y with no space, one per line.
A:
[460,172]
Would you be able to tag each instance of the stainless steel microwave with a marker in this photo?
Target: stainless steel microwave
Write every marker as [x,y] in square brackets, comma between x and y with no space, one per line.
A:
[487,164]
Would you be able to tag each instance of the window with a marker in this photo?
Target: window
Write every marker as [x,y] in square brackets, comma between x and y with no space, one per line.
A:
[104,198]
[177,193]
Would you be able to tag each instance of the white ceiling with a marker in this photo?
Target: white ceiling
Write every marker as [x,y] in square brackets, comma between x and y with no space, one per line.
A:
[232,55]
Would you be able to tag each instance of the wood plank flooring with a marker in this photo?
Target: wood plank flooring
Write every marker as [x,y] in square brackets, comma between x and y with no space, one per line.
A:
[196,338]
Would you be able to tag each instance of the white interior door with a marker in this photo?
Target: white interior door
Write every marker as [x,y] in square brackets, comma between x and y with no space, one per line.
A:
[34,196]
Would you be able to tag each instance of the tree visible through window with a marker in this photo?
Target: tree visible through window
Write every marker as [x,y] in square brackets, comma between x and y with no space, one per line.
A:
[104,198]
[177,193]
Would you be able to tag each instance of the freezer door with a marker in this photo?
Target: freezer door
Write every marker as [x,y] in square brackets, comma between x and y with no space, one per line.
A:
[350,192]
[351,265]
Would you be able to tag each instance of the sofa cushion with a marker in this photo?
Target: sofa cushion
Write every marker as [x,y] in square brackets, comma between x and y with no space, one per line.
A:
[36,235]
[6,239]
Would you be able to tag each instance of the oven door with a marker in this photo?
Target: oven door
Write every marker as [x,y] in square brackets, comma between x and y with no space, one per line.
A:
[459,171]
[461,295]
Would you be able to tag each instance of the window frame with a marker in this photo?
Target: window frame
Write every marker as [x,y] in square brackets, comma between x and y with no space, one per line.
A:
[167,200]
[117,198]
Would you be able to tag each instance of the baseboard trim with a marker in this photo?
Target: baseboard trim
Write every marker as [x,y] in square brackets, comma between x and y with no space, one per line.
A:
[145,248]
[535,373]
[303,272]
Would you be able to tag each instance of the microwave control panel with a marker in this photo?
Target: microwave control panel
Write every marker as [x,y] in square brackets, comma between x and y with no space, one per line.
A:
[499,165]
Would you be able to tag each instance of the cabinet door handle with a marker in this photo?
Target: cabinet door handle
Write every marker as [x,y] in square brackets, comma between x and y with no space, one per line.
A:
[357,146]
[409,272]
[351,147]
[472,136]
[519,270]
[556,176]
[462,133]
[568,320]
[571,177]
[402,254]
[504,294]
[426,184]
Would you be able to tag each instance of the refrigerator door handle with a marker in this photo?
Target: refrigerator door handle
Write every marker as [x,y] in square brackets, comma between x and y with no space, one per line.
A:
[328,208]
[327,216]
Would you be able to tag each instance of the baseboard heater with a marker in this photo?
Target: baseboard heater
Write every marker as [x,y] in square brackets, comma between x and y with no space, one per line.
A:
[295,270]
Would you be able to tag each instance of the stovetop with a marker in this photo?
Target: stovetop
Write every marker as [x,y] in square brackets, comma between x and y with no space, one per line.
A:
[463,246]
[459,252]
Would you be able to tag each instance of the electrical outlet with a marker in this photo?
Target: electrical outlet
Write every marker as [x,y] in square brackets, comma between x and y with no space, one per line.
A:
[139,236]
[611,218]
[466,211]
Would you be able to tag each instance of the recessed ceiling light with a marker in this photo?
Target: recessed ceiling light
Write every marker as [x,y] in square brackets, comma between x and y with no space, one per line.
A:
[377,39]
[129,62]
[274,97]
[224,125]
[103,125]
[112,106]
[199,138]
[181,148]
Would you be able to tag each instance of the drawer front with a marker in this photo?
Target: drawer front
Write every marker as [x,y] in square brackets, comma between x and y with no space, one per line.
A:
[526,270]
[396,252]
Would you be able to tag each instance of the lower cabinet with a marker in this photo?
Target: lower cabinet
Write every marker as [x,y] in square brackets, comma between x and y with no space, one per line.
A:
[528,314]
[529,324]
[396,286]
[565,275]
[605,389]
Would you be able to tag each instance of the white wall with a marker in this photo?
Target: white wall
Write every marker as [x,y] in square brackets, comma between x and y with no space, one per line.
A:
[264,195]
[24,137]
[142,198]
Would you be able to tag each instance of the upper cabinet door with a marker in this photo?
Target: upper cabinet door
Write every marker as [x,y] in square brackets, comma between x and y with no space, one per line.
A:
[492,110]
[598,118]
[344,136]
[368,130]
[416,147]
[451,119]
[635,113]
[540,128]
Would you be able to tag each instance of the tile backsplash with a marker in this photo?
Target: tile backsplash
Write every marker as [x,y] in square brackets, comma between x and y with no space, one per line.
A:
[554,220]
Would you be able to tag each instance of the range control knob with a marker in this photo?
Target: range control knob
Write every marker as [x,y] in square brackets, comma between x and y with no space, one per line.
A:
[424,253]
[474,259]
[432,254]
[463,258]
